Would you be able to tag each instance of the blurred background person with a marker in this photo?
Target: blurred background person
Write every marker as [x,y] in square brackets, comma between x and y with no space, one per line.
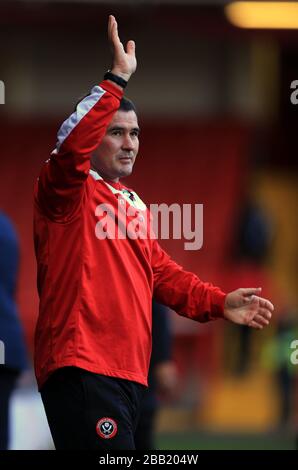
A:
[251,248]
[11,334]
[162,378]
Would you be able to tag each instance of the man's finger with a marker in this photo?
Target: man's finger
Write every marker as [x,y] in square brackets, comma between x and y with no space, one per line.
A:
[113,29]
[116,34]
[265,313]
[254,324]
[266,304]
[261,320]
[117,44]
[251,290]
[110,24]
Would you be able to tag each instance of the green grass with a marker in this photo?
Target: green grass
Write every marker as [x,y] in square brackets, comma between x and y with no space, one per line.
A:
[213,441]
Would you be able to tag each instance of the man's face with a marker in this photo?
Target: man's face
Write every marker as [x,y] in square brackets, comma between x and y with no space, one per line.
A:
[115,156]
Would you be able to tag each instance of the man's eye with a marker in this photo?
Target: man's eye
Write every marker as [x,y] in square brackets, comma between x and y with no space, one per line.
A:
[135,134]
[116,133]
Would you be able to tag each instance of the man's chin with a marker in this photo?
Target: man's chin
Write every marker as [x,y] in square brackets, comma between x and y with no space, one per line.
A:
[125,172]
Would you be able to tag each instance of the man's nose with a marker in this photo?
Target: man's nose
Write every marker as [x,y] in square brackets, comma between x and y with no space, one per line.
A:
[127,142]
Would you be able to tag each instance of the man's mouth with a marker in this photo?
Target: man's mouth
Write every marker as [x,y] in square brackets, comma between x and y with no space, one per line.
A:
[125,159]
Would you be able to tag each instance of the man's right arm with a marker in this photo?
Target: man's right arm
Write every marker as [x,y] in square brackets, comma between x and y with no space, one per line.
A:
[61,182]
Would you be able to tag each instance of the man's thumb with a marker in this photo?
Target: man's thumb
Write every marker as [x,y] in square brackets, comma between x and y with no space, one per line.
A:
[131,47]
[251,290]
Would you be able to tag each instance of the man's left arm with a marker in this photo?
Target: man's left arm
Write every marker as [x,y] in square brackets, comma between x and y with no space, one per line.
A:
[185,293]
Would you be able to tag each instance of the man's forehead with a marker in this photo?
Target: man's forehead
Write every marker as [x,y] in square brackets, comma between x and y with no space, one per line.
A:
[126,119]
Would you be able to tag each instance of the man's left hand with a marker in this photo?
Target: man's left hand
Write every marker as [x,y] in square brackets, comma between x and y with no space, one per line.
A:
[245,307]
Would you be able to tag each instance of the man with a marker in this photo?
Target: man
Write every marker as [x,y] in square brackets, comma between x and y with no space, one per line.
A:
[93,336]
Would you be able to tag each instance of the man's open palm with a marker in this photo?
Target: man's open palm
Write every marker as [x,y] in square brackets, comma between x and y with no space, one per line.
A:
[124,62]
[244,307]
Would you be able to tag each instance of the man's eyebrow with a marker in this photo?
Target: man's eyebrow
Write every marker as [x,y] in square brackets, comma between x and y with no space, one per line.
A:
[120,128]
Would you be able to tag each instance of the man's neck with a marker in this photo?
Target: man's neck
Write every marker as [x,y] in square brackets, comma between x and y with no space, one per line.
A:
[105,177]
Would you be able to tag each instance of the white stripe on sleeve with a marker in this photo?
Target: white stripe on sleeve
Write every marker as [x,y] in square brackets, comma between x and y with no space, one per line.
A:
[82,109]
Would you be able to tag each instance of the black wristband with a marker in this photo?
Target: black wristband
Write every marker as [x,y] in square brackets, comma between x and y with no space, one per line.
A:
[115,78]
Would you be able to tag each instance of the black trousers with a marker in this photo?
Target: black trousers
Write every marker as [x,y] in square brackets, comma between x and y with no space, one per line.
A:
[145,432]
[8,378]
[88,411]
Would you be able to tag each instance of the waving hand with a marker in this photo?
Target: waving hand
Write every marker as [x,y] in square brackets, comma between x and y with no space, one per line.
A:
[124,61]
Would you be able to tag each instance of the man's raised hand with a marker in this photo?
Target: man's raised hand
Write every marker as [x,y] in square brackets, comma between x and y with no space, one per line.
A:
[124,62]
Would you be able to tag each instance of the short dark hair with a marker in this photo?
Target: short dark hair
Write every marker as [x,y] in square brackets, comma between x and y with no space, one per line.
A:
[125,104]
